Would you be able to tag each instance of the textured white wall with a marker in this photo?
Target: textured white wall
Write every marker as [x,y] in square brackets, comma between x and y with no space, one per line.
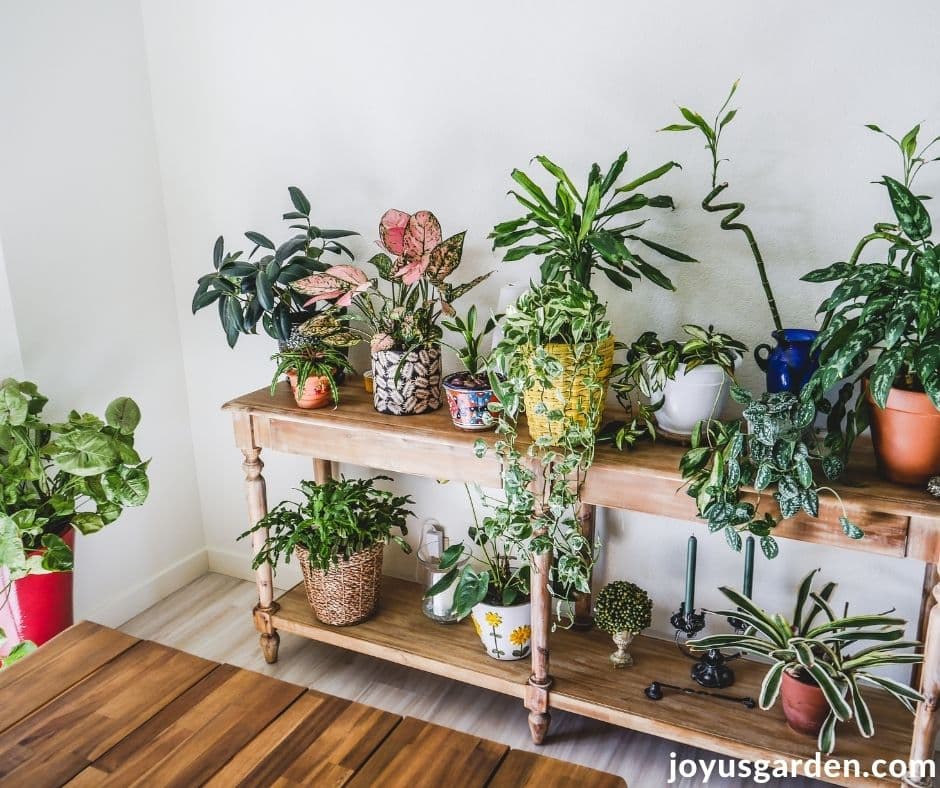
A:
[84,236]
[429,105]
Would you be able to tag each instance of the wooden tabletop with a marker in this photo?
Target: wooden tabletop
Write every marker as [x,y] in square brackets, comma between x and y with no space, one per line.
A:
[96,707]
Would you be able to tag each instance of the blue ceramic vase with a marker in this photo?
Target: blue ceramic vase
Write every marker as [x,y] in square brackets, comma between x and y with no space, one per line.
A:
[790,364]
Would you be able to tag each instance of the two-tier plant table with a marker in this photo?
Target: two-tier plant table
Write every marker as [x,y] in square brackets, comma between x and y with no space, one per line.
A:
[897,521]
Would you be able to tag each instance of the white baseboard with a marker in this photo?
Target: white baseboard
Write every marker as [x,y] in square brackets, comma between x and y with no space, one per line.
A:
[237,563]
[137,599]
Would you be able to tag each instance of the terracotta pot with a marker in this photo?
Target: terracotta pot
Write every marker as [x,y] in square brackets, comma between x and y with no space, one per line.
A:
[468,403]
[39,607]
[316,392]
[906,436]
[804,705]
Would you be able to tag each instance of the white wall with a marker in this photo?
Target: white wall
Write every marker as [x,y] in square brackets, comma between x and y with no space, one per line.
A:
[84,236]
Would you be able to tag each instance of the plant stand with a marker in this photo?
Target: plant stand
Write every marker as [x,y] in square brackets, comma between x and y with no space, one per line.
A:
[898,521]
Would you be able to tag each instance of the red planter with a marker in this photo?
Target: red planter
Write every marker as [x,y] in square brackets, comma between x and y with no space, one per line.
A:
[39,607]
[804,705]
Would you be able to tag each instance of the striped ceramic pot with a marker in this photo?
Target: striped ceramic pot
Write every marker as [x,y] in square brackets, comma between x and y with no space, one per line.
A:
[407,384]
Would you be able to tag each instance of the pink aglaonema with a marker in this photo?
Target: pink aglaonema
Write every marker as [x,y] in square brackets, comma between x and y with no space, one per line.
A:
[422,235]
[341,282]
[392,230]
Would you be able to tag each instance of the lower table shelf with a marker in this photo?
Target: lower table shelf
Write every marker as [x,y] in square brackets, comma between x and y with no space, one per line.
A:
[586,683]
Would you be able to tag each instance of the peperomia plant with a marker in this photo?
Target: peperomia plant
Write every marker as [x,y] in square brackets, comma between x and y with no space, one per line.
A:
[251,292]
[776,451]
[890,307]
[574,232]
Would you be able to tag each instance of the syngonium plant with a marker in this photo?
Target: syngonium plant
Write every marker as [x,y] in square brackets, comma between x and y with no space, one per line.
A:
[818,653]
[890,308]
[416,264]
[577,234]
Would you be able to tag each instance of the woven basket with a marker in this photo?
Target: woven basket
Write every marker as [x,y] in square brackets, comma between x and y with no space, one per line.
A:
[349,591]
[567,392]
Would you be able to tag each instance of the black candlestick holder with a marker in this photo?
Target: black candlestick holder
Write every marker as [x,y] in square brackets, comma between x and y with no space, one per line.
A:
[688,624]
[709,669]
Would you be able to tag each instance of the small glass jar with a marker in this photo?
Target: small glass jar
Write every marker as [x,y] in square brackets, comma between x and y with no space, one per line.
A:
[440,607]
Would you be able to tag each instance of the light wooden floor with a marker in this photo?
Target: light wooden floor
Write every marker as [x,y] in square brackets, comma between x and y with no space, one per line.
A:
[211,618]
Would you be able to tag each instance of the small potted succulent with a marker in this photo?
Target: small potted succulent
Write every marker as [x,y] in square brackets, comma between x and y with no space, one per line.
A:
[338,534]
[623,610]
[496,596]
[469,392]
[252,293]
[57,478]
[311,371]
[818,682]
[404,334]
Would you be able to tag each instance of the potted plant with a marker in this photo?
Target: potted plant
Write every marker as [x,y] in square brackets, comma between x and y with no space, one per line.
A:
[57,477]
[311,371]
[817,680]
[257,292]
[338,534]
[890,308]
[469,392]
[623,610]
[402,326]
[773,448]
[791,362]
[685,382]
[495,596]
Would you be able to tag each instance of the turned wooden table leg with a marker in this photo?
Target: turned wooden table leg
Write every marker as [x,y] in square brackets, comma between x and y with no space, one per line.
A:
[926,606]
[927,719]
[536,697]
[264,576]
[322,470]
[583,612]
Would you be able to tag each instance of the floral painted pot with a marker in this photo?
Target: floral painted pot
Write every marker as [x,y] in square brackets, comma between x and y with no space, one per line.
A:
[692,397]
[407,384]
[468,402]
[906,436]
[790,364]
[505,632]
[804,705]
[316,392]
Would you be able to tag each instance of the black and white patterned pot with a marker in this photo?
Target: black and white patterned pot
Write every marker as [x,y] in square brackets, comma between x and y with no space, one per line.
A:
[406,384]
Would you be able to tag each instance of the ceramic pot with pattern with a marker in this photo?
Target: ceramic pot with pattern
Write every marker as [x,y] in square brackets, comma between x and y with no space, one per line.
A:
[468,398]
[407,384]
[504,631]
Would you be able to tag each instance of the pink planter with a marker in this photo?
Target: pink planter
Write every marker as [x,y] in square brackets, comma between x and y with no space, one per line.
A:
[38,607]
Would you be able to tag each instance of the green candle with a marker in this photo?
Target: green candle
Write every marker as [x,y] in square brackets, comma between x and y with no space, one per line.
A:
[748,567]
[690,575]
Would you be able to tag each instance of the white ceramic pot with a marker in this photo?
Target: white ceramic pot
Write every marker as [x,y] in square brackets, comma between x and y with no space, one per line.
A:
[691,397]
[505,632]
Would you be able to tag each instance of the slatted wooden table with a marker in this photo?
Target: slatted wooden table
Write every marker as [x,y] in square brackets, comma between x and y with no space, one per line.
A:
[96,707]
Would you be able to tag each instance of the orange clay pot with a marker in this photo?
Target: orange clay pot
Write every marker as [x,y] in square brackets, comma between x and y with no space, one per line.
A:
[906,435]
[316,392]
[804,705]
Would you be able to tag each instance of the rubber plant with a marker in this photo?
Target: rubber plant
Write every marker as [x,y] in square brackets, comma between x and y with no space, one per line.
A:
[253,292]
[817,652]
[79,472]
[772,449]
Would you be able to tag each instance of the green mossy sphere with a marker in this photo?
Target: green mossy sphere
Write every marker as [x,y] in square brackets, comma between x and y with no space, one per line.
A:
[623,607]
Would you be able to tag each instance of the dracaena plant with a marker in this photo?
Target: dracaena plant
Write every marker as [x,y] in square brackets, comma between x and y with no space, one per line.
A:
[882,320]
[838,654]
[577,233]
[250,292]
[773,450]
[640,380]
[416,264]
[712,133]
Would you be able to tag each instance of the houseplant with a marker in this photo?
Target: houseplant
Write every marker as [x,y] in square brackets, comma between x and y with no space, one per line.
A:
[469,392]
[338,534]
[818,682]
[774,447]
[402,327]
[890,308]
[789,365]
[56,478]
[494,590]
[311,371]
[623,610]
[682,382]
[257,292]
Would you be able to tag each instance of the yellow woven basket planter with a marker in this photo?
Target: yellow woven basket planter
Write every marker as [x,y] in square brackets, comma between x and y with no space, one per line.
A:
[567,392]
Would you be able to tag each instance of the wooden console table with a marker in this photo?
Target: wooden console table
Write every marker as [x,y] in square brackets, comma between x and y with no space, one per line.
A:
[897,521]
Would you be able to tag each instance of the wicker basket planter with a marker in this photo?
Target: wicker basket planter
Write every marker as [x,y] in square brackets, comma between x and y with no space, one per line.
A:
[567,392]
[349,591]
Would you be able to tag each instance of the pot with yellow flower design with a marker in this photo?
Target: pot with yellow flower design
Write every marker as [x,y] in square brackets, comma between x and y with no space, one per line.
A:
[505,631]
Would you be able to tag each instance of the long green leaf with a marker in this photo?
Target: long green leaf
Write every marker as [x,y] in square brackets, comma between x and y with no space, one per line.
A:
[801,597]
[831,690]
[741,601]
[533,188]
[855,622]
[826,742]
[863,720]
[770,686]
[652,175]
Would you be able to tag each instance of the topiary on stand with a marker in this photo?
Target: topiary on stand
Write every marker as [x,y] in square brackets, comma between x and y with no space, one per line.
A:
[623,610]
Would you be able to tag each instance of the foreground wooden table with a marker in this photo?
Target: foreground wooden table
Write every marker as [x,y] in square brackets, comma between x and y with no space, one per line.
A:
[898,521]
[96,707]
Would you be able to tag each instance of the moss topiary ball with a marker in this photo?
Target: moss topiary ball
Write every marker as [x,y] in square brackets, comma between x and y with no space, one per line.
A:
[623,607]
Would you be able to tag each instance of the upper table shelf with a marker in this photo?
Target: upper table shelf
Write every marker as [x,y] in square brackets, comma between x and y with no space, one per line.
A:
[897,520]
